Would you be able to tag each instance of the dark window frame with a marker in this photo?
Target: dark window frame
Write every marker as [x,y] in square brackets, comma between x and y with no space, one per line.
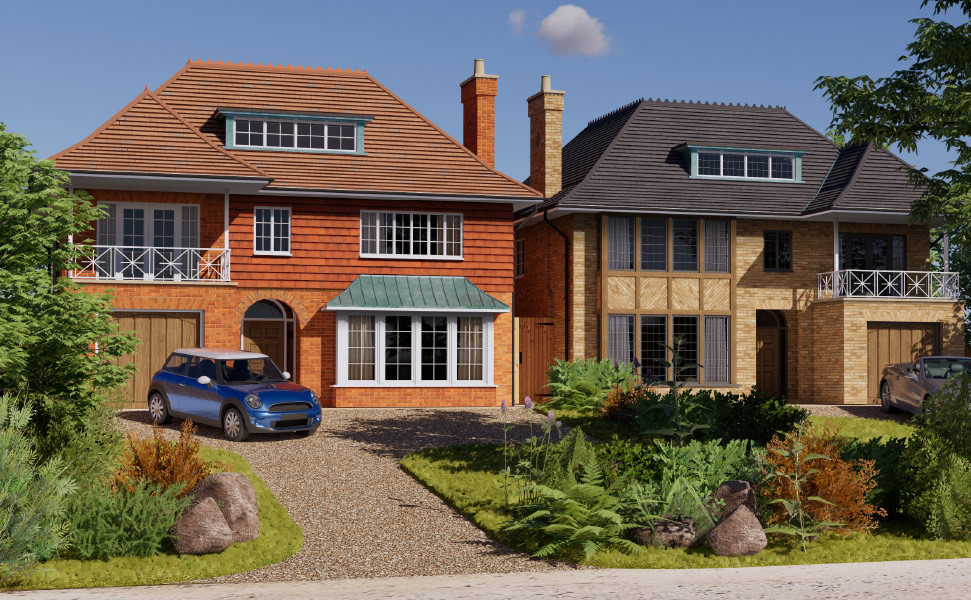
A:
[765,254]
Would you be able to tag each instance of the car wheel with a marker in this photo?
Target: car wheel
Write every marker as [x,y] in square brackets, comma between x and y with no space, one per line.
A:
[158,409]
[234,427]
[885,401]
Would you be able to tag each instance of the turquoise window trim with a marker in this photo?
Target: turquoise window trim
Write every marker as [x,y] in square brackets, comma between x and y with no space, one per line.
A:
[693,151]
[358,121]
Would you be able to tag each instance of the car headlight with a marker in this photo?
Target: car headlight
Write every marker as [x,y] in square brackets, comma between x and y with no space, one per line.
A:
[314,398]
[253,401]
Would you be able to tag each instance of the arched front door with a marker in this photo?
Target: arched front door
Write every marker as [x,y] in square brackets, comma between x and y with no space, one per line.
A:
[770,351]
[268,327]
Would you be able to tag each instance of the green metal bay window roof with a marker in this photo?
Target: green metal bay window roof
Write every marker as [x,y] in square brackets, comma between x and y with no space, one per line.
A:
[413,293]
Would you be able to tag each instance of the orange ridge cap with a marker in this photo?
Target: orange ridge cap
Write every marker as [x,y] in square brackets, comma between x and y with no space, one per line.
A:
[278,66]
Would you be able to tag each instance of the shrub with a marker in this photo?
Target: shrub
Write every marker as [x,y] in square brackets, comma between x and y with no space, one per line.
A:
[164,463]
[705,466]
[628,460]
[887,456]
[32,497]
[756,416]
[843,485]
[583,384]
[676,414]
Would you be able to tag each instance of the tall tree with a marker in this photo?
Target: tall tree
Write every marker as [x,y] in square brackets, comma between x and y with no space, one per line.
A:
[930,98]
[58,346]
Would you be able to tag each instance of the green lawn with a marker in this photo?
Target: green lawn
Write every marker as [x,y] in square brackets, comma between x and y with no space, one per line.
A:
[469,478]
[280,538]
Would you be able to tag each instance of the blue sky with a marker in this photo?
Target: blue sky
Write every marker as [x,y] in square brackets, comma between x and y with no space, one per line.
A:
[68,66]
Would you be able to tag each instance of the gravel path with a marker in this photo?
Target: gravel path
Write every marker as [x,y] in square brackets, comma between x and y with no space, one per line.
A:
[866,411]
[361,515]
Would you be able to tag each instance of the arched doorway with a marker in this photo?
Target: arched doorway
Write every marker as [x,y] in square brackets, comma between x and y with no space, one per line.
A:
[770,351]
[270,327]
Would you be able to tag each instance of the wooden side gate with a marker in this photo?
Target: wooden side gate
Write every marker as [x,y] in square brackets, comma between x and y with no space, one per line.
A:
[534,348]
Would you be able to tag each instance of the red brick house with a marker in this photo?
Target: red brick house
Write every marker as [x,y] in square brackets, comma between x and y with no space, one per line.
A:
[313,215]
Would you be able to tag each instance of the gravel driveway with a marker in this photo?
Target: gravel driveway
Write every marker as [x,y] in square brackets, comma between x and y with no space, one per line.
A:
[361,515]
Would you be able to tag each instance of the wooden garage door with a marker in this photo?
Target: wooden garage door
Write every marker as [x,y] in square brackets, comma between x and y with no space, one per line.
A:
[159,333]
[891,343]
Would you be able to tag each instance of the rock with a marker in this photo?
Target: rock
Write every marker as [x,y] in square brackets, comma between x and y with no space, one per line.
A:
[734,494]
[202,529]
[667,534]
[236,498]
[738,534]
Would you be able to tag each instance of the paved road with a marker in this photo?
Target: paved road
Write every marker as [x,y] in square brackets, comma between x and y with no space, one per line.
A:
[911,580]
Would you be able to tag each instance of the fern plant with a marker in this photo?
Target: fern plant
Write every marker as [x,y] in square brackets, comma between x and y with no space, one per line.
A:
[32,497]
[584,384]
[682,417]
[675,501]
[576,519]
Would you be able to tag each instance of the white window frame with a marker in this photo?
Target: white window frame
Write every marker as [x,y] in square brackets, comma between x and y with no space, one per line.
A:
[721,165]
[378,213]
[488,350]
[519,259]
[296,122]
[149,234]
[272,233]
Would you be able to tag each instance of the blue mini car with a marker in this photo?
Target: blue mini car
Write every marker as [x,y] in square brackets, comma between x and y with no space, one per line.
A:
[242,392]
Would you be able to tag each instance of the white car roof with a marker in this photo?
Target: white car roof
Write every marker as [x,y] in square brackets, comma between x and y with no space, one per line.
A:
[219,353]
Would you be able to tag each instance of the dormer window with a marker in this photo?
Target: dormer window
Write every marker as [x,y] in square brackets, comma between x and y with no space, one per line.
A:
[741,164]
[296,133]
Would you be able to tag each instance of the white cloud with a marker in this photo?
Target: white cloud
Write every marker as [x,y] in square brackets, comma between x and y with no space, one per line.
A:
[571,30]
[517,19]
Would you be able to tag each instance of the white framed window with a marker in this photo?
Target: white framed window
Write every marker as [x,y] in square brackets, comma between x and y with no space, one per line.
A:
[271,230]
[519,268]
[294,134]
[411,235]
[746,165]
[414,349]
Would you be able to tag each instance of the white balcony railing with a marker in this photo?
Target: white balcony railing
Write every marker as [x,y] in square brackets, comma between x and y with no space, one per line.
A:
[141,263]
[888,284]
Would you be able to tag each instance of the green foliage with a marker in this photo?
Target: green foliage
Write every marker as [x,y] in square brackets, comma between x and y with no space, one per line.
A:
[706,466]
[32,497]
[583,384]
[801,525]
[48,328]
[280,538]
[887,455]
[628,460]
[677,501]
[106,523]
[946,414]
[577,520]
[925,99]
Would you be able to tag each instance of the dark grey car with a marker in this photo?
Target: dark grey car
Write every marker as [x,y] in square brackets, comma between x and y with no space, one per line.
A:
[906,385]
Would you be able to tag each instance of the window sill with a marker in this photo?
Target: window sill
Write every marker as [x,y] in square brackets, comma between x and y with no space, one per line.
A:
[748,179]
[410,257]
[283,254]
[305,150]
[424,384]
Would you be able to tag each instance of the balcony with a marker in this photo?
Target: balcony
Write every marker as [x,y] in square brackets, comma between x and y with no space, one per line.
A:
[855,283]
[143,263]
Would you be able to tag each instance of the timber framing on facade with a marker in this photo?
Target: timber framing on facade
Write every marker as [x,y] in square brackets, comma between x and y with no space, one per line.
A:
[818,277]
[253,206]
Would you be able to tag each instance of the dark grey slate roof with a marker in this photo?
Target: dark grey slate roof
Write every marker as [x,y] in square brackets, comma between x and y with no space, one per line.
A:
[630,159]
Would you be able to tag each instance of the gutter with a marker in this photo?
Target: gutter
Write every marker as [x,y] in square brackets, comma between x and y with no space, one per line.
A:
[566,284]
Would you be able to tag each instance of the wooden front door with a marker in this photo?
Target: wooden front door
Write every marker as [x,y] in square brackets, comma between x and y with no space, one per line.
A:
[535,357]
[266,337]
[892,343]
[768,352]
[159,333]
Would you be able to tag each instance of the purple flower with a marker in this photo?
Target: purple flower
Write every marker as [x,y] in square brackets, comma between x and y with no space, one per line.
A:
[559,424]
[616,364]
[528,402]
[550,416]
[503,406]
[637,363]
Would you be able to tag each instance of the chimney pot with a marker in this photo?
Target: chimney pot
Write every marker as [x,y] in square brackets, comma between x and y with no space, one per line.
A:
[479,68]
[544,83]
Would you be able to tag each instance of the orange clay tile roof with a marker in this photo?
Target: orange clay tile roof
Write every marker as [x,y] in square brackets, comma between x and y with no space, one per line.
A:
[405,152]
[148,137]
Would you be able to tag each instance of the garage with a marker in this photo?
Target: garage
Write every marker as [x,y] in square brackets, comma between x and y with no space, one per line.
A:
[159,333]
[891,343]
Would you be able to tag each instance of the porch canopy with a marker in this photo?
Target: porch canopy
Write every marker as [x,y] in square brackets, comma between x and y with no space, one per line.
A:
[415,293]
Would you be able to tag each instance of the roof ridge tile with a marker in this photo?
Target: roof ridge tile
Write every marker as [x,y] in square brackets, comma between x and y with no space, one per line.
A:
[269,65]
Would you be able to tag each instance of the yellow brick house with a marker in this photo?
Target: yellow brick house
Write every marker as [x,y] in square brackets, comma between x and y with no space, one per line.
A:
[777,258]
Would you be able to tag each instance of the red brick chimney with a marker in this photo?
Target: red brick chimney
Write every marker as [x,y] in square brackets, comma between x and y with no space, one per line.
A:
[479,113]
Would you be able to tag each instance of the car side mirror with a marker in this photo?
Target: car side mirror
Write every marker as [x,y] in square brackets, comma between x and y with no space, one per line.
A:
[286,375]
[204,380]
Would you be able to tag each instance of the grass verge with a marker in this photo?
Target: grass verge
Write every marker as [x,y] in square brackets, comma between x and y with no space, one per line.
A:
[280,538]
[469,478]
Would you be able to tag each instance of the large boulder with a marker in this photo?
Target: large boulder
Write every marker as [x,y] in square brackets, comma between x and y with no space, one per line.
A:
[236,498]
[202,529]
[666,534]
[734,494]
[738,534]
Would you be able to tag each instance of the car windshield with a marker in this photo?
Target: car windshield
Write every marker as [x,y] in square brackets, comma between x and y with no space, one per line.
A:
[249,370]
[945,368]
